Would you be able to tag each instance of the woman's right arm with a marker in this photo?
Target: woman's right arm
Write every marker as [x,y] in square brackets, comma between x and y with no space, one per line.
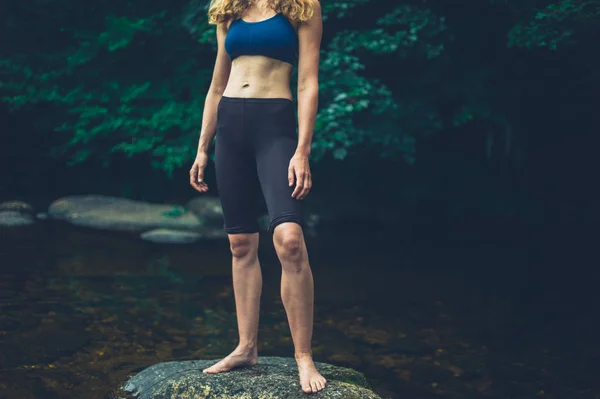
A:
[209,115]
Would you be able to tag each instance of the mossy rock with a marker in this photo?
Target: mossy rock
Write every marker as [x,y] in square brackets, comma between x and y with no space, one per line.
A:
[16,206]
[113,213]
[272,378]
[13,219]
[208,209]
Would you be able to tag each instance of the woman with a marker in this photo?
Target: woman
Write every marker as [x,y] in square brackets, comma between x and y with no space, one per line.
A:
[249,106]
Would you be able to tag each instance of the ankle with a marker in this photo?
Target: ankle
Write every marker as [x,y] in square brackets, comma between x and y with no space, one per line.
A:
[247,346]
[303,355]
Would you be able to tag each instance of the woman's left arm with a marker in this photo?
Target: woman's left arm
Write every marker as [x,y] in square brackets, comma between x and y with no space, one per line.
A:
[309,42]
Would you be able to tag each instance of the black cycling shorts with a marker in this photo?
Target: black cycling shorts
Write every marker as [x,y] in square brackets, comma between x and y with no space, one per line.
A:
[255,140]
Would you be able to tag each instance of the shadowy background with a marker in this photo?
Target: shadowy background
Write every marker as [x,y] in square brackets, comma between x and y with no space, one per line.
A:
[455,150]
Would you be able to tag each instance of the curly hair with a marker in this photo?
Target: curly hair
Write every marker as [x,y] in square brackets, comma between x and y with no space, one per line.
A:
[295,10]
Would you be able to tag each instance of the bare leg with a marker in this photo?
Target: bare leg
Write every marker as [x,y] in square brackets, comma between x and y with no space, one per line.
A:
[247,287]
[297,294]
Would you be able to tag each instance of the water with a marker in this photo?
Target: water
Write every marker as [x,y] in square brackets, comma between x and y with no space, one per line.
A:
[82,309]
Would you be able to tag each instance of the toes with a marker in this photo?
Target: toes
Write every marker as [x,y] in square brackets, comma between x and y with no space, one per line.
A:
[214,369]
[320,385]
[313,385]
[306,389]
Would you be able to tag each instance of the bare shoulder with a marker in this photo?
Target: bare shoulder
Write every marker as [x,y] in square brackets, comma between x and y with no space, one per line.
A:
[314,25]
[317,9]
[315,19]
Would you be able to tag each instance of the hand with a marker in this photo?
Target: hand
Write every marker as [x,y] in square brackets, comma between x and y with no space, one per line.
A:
[197,172]
[299,173]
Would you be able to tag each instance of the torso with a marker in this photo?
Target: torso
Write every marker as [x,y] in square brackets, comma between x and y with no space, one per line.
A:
[257,75]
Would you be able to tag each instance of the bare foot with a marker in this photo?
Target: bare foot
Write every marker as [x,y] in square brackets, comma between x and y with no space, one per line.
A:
[310,379]
[240,357]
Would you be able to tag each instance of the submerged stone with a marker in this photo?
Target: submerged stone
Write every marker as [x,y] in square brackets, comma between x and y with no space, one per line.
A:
[272,378]
[207,208]
[170,236]
[13,218]
[15,213]
[115,213]
[16,206]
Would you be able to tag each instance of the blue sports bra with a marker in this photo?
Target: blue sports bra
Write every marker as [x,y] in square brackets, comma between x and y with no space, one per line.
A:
[274,37]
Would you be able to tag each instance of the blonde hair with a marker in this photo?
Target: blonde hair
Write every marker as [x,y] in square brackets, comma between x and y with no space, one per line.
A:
[295,10]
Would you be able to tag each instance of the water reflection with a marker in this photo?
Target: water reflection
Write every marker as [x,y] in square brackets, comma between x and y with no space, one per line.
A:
[82,309]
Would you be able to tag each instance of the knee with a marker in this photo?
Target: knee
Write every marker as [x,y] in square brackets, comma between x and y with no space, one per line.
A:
[241,246]
[289,246]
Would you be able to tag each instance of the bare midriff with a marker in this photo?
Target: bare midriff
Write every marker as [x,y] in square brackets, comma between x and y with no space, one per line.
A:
[256,76]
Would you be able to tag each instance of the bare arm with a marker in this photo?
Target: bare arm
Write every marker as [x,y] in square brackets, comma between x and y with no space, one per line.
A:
[309,40]
[209,115]
[215,91]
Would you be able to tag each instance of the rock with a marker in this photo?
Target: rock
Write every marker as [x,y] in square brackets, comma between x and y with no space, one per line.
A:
[207,209]
[272,378]
[170,236]
[16,206]
[114,213]
[16,213]
[13,218]
[42,215]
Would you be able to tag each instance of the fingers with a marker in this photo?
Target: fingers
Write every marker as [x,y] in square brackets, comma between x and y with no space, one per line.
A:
[299,171]
[300,174]
[200,176]
[307,185]
[303,183]
[291,175]
[193,178]
[197,178]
